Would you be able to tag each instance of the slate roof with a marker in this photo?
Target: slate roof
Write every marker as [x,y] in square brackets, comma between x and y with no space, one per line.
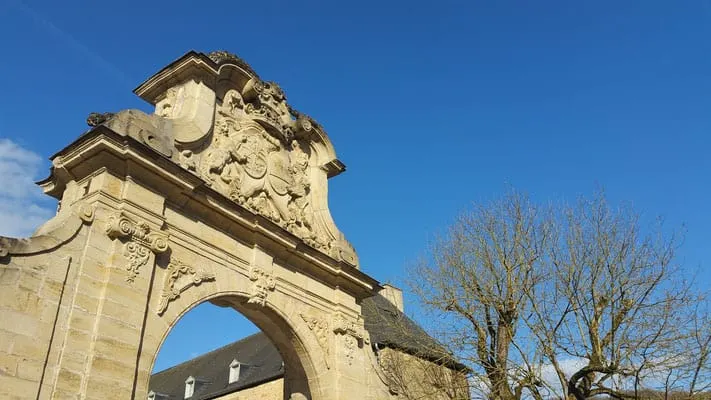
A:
[388,327]
[257,351]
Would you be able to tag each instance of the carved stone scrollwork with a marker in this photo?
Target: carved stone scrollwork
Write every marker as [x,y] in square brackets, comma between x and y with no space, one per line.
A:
[139,239]
[262,283]
[343,326]
[167,107]
[222,56]
[320,329]
[186,160]
[96,119]
[350,344]
[179,278]
[353,334]
[85,213]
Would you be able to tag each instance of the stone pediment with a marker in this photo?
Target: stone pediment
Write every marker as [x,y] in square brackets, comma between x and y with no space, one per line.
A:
[217,119]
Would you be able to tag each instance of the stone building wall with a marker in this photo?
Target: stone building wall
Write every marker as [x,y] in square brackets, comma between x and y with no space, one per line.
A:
[413,378]
[272,390]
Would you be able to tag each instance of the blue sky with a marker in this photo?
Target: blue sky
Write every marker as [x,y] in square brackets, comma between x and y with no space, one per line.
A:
[431,105]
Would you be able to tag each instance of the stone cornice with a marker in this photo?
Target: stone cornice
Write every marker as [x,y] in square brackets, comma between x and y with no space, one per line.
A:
[130,157]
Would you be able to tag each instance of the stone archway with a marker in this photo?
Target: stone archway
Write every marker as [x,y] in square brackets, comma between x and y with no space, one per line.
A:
[220,195]
[301,372]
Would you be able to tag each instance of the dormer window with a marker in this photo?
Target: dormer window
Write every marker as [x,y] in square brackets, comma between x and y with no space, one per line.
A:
[189,387]
[235,367]
[193,385]
[157,396]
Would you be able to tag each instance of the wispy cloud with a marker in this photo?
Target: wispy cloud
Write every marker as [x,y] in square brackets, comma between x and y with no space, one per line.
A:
[21,211]
[569,367]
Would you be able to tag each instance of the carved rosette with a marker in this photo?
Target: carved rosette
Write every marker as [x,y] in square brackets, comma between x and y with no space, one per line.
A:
[262,283]
[140,240]
[179,278]
[321,330]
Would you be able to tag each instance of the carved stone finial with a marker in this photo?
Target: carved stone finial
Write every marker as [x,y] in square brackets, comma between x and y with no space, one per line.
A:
[222,56]
[96,119]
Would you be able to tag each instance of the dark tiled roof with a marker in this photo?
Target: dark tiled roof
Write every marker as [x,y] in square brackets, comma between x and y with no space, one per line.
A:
[389,327]
[386,324]
[257,351]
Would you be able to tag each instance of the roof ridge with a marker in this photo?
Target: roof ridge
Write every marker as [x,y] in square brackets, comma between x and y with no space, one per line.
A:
[203,355]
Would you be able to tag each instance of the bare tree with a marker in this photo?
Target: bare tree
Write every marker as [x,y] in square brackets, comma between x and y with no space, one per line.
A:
[477,277]
[414,377]
[700,346]
[612,300]
[585,291]
[690,376]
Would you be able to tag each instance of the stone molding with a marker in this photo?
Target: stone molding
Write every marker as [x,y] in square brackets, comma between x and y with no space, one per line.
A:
[55,233]
[139,241]
[179,278]
[103,145]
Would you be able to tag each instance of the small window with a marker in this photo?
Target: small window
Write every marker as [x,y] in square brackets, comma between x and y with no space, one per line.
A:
[189,387]
[152,395]
[235,367]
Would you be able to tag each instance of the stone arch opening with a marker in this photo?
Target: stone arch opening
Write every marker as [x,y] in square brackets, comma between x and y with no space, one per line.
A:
[299,372]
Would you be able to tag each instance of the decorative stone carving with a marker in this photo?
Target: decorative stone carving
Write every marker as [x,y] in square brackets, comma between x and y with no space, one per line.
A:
[167,106]
[139,239]
[222,57]
[262,283]
[349,348]
[239,134]
[343,326]
[180,277]
[85,213]
[320,329]
[96,119]
[353,334]
[255,169]
[186,160]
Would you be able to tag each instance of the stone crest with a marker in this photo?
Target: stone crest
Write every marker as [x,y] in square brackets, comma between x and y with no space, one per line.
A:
[238,133]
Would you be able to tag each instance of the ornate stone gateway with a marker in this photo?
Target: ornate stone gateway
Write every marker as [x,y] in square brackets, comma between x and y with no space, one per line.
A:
[221,196]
